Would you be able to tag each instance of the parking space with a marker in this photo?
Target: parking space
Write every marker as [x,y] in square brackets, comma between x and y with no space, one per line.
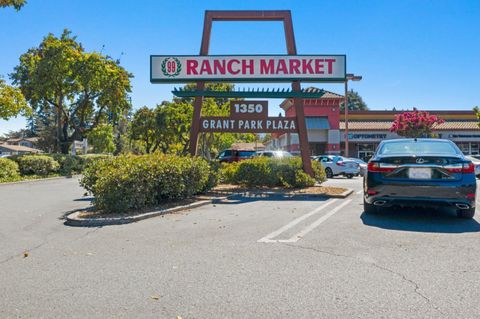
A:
[247,257]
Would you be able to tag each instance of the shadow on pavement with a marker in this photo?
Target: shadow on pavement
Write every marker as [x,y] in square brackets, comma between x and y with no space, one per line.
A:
[253,197]
[421,220]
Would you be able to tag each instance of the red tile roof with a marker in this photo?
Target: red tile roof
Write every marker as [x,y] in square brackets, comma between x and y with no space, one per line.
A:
[19,148]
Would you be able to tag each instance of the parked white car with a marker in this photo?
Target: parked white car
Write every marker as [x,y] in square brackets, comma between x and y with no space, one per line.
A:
[361,164]
[476,163]
[335,165]
[275,154]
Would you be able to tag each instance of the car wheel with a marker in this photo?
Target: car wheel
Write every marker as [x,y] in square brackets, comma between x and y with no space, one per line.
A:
[349,175]
[369,208]
[328,172]
[466,213]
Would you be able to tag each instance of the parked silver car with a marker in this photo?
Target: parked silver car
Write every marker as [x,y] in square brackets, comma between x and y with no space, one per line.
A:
[338,165]
[361,164]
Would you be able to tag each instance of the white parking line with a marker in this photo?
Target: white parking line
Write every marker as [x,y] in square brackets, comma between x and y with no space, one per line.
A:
[359,192]
[315,224]
[268,238]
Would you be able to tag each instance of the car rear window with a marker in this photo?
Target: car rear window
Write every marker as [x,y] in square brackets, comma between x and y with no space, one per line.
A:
[418,147]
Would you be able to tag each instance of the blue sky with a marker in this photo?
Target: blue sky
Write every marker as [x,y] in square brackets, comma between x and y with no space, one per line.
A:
[410,53]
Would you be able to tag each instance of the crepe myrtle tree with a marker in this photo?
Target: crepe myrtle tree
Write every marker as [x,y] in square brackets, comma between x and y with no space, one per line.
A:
[415,124]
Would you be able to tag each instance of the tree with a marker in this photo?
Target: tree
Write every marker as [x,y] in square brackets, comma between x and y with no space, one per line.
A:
[101,138]
[476,109]
[22,133]
[355,102]
[80,89]
[12,102]
[415,124]
[143,128]
[17,4]
[164,128]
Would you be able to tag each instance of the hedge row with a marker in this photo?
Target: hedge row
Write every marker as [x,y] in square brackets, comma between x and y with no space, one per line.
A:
[264,171]
[130,182]
[14,167]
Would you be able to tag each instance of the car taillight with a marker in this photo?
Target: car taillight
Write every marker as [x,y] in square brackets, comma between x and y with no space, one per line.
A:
[340,163]
[381,167]
[460,168]
[468,168]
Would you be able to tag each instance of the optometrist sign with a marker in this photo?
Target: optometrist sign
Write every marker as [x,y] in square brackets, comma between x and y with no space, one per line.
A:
[250,68]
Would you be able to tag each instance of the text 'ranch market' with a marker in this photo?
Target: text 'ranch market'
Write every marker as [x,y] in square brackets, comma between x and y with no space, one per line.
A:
[248,67]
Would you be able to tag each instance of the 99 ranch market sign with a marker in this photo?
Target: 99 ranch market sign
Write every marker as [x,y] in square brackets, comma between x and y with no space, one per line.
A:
[268,68]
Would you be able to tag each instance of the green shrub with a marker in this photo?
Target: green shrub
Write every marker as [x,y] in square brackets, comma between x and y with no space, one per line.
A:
[263,171]
[88,158]
[8,170]
[92,167]
[227,172]
[134,182]
[69,164]
[37,164]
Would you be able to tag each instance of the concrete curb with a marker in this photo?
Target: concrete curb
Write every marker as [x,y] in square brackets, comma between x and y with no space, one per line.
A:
[345,194]
[40,180]
[73,219]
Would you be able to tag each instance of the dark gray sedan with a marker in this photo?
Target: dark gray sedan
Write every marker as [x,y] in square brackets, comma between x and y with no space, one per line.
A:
[420,172]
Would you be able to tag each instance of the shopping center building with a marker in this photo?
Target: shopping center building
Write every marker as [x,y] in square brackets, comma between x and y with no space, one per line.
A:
[366,129]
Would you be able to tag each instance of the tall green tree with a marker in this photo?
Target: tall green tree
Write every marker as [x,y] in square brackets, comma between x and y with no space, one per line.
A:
[81,89]
[17,4]
[143,128]
[355,102]
[12,102]
[102,139]
[166,128]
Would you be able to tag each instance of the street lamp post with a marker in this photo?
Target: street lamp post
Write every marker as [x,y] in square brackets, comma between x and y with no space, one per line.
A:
[348,77]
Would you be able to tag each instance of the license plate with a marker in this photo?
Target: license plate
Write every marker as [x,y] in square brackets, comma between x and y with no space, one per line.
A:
[420,173]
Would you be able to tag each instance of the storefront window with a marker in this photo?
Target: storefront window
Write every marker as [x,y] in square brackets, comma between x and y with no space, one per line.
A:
[366,151]
[474,149]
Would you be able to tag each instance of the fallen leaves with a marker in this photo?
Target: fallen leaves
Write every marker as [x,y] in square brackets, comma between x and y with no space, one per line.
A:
[25,254]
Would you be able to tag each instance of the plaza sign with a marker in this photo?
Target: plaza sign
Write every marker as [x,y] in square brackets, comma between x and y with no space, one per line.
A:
[256,68]
[269,125]
[248,116]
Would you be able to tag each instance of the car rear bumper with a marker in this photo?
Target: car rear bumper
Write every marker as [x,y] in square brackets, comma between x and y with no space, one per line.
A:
[421,195]
[385,201]
[347,171]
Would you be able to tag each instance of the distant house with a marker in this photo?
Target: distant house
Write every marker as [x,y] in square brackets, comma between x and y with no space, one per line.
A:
[248,146]
[23,141]
[6,149]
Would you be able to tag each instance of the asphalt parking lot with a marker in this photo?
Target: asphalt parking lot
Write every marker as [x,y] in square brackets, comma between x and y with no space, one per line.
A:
[247,257]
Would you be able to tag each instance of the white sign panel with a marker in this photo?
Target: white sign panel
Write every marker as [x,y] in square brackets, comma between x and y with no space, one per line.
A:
[252,68]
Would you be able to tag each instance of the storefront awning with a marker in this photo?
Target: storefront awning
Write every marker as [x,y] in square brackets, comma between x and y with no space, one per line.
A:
[317,123]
